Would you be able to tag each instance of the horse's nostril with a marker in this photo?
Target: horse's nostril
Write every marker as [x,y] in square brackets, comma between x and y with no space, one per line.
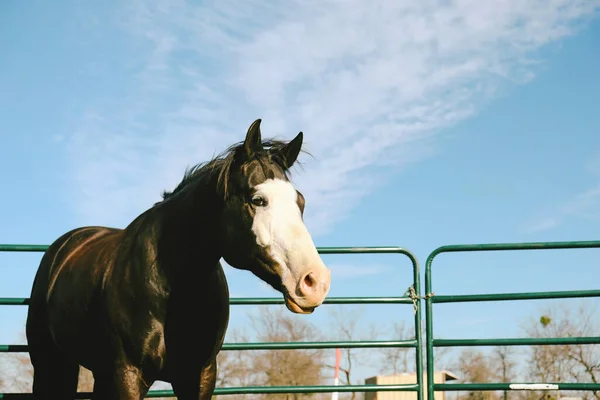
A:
[309,281]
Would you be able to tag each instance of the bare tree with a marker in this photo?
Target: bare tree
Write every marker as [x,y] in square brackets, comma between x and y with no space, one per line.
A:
[285,367]
[17,376]
[399,359]
[563,363]
[16,373]
[504,364]
[235,367]
[344,326]
[474,366]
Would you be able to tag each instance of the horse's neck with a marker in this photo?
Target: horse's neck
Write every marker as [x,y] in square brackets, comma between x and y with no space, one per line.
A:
[187,234]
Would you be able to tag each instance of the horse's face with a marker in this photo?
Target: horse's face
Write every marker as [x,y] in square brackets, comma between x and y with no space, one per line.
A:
[262,224]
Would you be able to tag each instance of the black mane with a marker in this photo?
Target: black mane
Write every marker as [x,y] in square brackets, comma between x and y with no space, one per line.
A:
[221,166]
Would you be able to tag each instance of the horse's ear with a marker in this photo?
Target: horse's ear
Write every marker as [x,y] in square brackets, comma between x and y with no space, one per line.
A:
[253,142]
[289,152]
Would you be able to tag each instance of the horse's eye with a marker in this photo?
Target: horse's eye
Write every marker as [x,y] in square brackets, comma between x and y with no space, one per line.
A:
[259,201]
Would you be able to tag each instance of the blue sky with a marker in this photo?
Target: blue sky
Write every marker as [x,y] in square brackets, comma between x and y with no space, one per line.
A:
[430,124]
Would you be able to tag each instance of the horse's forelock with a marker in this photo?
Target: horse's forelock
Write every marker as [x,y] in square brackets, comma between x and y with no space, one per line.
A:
[221,167]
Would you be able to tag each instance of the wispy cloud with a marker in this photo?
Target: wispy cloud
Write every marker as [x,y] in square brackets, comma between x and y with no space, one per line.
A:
[370,84]
[585,205]
[542,224]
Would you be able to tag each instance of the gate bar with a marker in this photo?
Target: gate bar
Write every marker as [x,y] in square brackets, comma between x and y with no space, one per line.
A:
[347,344]
[564,294]
[515,341]
[261,390]
[515,386]
[261,301]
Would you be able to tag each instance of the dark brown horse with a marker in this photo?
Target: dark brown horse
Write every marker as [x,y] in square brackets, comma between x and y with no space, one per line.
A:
[150,302]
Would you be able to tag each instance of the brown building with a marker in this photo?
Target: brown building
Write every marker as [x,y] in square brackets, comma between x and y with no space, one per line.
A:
[439,377]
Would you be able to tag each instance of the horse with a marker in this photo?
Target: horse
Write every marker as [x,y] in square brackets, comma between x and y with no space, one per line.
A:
[150,301]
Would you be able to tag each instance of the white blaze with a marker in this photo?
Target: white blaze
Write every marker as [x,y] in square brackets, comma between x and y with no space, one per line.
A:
[279,225]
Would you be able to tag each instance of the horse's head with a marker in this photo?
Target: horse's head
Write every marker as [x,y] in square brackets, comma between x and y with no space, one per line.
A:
[262,224]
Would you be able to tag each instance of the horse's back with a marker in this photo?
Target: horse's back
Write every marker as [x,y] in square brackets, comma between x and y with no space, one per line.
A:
[67,278]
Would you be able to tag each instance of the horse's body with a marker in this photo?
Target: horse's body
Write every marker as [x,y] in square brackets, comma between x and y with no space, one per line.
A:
[150,302]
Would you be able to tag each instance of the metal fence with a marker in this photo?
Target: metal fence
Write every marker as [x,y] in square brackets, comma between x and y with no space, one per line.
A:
[411,297]
[431,298]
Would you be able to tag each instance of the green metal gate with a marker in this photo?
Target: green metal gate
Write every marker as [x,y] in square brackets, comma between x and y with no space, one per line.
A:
[431,298]
[411,297]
